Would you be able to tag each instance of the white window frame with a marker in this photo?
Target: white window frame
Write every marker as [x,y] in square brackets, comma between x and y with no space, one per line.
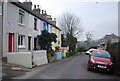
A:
[21,41]
[21,17]
[51,29]
[0,10]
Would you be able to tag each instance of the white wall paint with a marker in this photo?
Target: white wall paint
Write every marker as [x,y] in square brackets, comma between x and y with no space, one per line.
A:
[20,58]
[40,57]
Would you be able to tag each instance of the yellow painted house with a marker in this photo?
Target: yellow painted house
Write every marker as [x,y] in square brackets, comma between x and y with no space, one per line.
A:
[58,33]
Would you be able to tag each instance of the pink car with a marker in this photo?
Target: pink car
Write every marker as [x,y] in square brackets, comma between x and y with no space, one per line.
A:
[100,60]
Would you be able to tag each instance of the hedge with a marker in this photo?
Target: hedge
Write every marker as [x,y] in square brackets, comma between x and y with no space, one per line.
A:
[114,50]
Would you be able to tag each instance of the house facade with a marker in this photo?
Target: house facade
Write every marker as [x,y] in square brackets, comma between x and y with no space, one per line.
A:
[21,25]
[18,29]
[58,33]
[51,28]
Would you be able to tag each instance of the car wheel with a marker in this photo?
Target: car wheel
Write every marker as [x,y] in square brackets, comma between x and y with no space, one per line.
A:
[88,69]
[111,72]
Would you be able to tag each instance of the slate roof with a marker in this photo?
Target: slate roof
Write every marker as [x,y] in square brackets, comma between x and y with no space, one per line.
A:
[109,37]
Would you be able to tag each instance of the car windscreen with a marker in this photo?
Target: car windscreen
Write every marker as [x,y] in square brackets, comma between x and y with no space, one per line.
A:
[102,54]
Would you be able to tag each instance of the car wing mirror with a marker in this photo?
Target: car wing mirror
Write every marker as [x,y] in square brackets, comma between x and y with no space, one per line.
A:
[88,53]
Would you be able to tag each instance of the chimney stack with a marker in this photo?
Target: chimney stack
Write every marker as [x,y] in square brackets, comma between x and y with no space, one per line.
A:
[54,21]
[36,10]
[28,4]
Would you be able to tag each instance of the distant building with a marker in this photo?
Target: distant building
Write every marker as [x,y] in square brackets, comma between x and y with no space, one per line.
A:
[110,38]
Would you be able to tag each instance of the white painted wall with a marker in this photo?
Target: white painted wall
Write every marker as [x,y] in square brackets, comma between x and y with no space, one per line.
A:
[20,58]
[25,58]
[40,57]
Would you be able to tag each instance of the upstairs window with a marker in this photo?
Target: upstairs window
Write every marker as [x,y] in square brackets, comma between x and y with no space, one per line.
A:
[21,17]
[35,24]
[44,26]
[51,29]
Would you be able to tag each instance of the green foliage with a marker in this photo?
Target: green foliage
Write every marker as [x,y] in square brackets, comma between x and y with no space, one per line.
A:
[71,42]
[64,41]
[114,50]
[80,49]
[57,49]
[51,52]
[46,39]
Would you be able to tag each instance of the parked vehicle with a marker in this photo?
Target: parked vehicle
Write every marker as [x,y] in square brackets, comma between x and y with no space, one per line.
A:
[90,51]
[100,60]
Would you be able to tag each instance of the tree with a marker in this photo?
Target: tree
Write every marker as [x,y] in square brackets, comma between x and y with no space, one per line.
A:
[64,41]
[71,42]
[89,37]
[46,39]
[71,28]
[70,24]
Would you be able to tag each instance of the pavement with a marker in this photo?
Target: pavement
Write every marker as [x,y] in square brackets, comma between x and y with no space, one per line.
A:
[9,71]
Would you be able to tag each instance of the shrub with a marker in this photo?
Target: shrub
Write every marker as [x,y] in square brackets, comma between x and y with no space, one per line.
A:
[114,50]
[80,49]
[51,52]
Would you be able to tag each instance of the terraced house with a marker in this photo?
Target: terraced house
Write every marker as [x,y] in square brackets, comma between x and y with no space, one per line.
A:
[21,25]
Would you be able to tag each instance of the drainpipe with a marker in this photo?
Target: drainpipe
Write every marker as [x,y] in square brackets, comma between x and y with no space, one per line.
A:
[2,28]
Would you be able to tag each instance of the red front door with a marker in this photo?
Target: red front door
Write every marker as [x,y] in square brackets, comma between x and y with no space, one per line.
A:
[10,42]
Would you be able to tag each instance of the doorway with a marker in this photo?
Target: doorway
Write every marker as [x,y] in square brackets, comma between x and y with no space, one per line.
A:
[10,42]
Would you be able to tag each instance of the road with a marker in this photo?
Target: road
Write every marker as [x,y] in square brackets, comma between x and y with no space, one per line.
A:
[74,67]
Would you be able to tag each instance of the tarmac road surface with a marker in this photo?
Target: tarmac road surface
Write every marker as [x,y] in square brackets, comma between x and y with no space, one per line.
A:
[74,67]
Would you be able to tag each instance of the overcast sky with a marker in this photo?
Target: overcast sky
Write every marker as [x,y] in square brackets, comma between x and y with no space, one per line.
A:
[99,17]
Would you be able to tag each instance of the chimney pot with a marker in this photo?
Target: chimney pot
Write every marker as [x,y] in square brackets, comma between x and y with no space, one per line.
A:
[42,11]
[34,6]
[37,6]
[45,11]
[54,19]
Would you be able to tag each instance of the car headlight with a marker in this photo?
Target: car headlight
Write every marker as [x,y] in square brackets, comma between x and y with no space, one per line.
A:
[110,63]
[92,60]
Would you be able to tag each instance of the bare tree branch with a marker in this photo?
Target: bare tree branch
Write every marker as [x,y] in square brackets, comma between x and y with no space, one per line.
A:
[70,24]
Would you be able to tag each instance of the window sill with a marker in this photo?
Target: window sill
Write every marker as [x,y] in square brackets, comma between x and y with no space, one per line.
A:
[20,46]
[21,24]
[36,29]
